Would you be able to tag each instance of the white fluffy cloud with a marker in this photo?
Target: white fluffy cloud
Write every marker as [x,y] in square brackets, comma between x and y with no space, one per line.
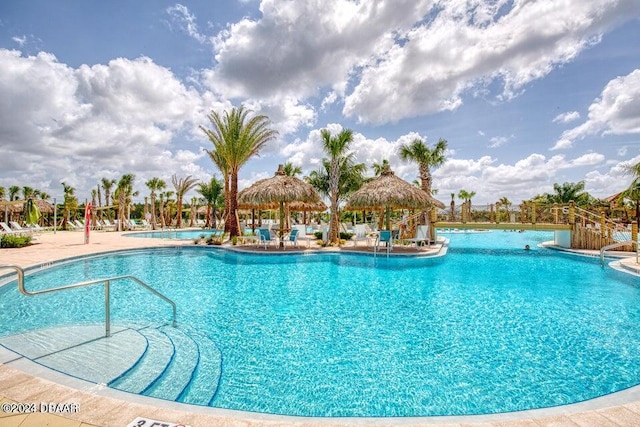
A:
[616,111]
[566,117]
[78,125]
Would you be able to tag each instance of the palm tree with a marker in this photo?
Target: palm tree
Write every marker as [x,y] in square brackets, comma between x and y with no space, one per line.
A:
[124,191]
[336,147]
[236,139]
[70,204]
[168,207]
[569,191]
[426,158]
[14,190]
[504,201]
[107,185]
[452,214]
[161,210]
[28,193]
[291,170]
[211,192]
[99,200]
[220,163]
[466,196]
[154,184]
[379,167]
[3,193]
[182,186]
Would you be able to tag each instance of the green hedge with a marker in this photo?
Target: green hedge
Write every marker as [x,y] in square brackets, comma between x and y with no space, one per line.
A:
[10,241]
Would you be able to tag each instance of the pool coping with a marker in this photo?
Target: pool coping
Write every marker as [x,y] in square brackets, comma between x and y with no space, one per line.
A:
[621,408]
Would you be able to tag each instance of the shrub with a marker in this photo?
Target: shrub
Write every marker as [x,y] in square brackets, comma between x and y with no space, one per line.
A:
[9,241]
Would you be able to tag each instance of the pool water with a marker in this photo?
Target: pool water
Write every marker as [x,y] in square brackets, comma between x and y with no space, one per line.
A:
[487,328]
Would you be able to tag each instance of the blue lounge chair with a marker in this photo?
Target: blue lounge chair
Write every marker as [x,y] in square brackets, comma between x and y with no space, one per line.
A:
[293,238]
[385,237]
[265,237]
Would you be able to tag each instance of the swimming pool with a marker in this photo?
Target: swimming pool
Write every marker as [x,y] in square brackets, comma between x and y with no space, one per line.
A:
[488,328]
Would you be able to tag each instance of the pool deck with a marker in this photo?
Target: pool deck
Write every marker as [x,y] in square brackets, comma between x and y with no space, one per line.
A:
[27,382]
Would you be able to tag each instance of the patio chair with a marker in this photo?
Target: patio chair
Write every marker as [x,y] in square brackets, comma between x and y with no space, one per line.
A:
[292,238]
[6,229]
[385,237]
[302,234]
[265,237]
[422,236]
[361,234]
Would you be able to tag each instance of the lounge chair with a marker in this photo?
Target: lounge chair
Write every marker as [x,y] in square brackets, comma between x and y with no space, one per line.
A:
[6,229]
[422,236]
[265,237]
[302,233]
[385,237]
[292,238]
[361,234]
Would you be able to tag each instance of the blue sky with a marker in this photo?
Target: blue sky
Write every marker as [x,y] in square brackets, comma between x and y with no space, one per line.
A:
[526,93]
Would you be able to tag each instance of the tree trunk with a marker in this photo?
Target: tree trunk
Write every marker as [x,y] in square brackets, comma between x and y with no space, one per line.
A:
[333,193]
[425,185]
[153,210]
[231,221]
[179,213]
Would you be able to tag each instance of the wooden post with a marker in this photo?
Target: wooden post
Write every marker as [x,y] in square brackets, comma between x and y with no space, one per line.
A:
[433,218]
[463,213]
[555,213]
[603,230]
[572,212]
[533,213]
[634,234]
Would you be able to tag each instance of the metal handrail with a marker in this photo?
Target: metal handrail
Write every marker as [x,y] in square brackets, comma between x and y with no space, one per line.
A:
[107,284]
[617,245]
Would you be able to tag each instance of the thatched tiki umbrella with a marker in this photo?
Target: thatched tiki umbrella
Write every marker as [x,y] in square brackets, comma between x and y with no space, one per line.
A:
[389,191]
[279,189]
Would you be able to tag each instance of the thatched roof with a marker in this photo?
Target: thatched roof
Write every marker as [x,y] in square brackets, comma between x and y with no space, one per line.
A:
[17,206]
[279,188]
[389,190]
[306,206]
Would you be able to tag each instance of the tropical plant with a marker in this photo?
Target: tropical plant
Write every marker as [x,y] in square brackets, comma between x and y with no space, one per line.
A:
[211,192]
[466,197]
[291,170]
[107,185]
[236,138]
[426,158]
[336,148]
[154,184]
[504,201]
[379,167]
[70,204]
[14,190]
[220,163]
[124,192]
[632,193]
[3,193]
[182,186]
[28,193]
[569,191]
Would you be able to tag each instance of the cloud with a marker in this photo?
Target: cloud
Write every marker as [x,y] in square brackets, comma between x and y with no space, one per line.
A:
[616,111]
[566,117]
[498,141]
[19,40]
[186,21]
[127,115]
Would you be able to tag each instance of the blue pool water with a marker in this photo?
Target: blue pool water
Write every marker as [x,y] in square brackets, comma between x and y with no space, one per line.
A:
[488,328]
[175,234]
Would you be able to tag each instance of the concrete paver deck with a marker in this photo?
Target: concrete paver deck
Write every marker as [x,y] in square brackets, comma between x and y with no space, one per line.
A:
[100,406]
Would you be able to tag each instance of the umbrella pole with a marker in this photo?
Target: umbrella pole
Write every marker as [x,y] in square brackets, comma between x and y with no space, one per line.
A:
[388,217]
[281,224]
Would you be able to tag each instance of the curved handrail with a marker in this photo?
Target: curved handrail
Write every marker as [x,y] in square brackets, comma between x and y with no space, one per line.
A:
[617,245]
[107,282]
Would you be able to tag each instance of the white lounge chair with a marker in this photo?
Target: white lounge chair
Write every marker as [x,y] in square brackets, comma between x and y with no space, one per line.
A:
[422,236]
[361,234]
[6,229]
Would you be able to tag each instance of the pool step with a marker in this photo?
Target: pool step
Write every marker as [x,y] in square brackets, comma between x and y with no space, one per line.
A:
[161,361]
[151,365]
[181,368]
[81,351]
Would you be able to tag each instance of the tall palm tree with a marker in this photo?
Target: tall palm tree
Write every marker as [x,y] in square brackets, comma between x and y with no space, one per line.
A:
[221,164]
[168,206]
[70,204]
[124,191]
[466,197]
[107,185]
[182,186]
[291,170]
[211,192]
[336,148]
[452,213]
[154,184]
[14,190]
[504,201]
[426,158]
[236,138]
[28,193]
